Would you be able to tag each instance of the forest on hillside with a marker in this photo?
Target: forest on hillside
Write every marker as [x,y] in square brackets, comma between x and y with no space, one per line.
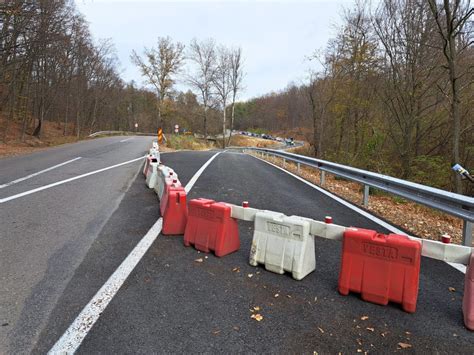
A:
[52,69]
[394,93]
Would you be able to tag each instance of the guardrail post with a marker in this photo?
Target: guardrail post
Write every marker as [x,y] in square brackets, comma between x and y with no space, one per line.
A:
[467,233]
[365,200]
[322,177]
[298,168]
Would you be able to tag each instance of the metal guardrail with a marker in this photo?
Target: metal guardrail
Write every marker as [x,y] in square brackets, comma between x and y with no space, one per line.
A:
[451,203]
[126,133]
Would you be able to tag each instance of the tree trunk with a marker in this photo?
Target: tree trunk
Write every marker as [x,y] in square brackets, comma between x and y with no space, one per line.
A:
[66,116]
[456,114]
[205,121]
[231,122]
[223,125]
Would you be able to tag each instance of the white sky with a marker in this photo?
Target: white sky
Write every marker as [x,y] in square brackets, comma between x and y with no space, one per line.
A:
[276,36]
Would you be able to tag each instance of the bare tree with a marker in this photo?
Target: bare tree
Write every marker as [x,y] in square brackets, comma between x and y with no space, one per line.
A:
[403,28]
[203,54]
[236,78]
[160,66]
[320,91]
[222,84]
[451,18]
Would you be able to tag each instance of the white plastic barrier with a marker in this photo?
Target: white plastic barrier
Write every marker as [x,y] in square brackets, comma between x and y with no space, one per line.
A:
[152,174]
[155,153]
[282,244]
[164,172]
[155,145]
[148,159]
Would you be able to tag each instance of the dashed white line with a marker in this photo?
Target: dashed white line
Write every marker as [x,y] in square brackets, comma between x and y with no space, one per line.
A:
[126,140]
[367,215]
[77,331]
[37,173]
[29,192]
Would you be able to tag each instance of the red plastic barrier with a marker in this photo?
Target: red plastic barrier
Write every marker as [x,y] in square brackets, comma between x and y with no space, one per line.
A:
[381,267]
[210,227]
[468,298]
[173,209]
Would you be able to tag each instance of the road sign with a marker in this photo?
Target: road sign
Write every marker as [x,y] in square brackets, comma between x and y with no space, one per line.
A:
[160,135]
[176,130]
[176,126]
[136,125]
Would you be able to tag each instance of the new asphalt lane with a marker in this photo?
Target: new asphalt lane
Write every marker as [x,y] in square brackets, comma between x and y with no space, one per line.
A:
[172,303]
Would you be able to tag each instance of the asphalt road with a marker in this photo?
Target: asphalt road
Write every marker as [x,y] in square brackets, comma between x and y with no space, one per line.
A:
[45,236]
[170,302]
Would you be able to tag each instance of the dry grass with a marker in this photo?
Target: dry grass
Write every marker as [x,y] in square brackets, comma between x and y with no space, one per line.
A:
[417,219]
[52,135]
[246,141]
[188,143]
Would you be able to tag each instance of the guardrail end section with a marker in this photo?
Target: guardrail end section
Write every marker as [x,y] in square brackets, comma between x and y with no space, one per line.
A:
[468,298]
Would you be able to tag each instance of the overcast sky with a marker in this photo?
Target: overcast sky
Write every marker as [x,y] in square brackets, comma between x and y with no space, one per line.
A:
[276,37]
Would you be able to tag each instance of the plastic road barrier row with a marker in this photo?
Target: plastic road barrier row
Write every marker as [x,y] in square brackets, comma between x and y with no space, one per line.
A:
[394,262]
[173,208]
[429,248]
[380,267]
[210,227]
[282,244]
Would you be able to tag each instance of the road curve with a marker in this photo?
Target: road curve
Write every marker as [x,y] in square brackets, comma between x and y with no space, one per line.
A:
[171,303]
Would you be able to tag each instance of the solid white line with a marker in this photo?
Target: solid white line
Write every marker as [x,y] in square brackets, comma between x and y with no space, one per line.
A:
[80,327]
[367,215]
[29,192]
[77,331]
[199,172]
[125,140]
[37,173]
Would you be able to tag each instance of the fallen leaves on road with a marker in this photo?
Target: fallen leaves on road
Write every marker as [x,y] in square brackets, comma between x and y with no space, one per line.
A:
[250,276]
[276,295]
[257,316]
[370,329]
[200,260]
[364,317]
[452,289]
[321,330]
[236,269]
[404,345]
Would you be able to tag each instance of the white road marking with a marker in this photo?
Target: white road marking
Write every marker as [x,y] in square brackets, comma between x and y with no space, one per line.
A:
[80,327]
[29,192]
[367,215]
[125,140]
[199,172]
[37,173]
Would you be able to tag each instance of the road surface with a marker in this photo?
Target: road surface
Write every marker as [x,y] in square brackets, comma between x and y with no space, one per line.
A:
[60,245]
